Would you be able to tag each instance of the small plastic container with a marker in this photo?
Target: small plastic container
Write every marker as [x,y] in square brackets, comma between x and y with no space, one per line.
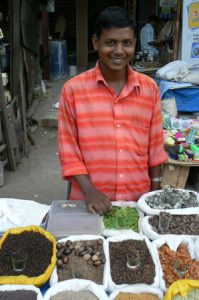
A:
[18,260]
[72,218]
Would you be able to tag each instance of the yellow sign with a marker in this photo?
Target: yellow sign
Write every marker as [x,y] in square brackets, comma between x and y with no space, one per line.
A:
[193,15]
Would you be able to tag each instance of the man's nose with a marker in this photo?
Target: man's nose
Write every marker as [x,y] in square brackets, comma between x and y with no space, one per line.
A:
[119,48]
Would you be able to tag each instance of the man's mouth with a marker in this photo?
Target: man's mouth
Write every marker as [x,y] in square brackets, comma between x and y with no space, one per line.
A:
[118,59]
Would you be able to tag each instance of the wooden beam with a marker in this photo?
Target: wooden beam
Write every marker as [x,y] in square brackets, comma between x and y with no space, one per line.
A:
[45,33]
[82,32]
[15,40]
[177,28]
[8,128]
[175,176]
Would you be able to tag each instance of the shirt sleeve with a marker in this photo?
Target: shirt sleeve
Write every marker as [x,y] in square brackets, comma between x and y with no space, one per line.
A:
[146,36]
[157,154]
[69,152]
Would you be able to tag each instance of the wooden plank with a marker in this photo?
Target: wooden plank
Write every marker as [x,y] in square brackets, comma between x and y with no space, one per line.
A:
[175,176]
[23,105]
[15,40]
[190,163]
[30,25]
[7,127]
[82,32]
[176,36]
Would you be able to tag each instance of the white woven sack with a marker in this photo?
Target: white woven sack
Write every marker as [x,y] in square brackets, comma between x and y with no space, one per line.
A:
[143,206]
[16,287]
[76,285]
[197,248]
[147,229]
[111,232]
[84,237]
[18,213]
[173,241]
[174,70]
[138,289]
[193,78]
[132,236]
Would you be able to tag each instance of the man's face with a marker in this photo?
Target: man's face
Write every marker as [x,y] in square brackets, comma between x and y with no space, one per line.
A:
[116,47]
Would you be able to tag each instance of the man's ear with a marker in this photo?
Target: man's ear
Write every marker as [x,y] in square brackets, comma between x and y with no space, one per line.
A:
[95,42]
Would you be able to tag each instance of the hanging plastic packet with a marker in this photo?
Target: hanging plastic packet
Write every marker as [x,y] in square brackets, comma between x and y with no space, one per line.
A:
[191,136]
[169,105]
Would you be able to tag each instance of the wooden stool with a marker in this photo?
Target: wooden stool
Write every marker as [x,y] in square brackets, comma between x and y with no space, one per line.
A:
[175,173]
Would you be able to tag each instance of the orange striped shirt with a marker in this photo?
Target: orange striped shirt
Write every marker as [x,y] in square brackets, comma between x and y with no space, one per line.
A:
[113,139]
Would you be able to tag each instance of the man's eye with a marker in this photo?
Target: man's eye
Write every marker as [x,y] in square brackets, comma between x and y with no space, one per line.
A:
[110,43]
[127,43]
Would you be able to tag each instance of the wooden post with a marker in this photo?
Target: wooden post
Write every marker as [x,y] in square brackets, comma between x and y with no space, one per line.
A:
[177,27]
[45,43]
[15,40]
[82,32]
[133,8]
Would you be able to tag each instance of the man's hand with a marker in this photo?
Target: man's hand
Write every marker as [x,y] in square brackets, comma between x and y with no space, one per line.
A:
[97,202]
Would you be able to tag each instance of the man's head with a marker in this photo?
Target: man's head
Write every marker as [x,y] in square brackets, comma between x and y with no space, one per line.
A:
[113,17]
[153,20]
[114,39]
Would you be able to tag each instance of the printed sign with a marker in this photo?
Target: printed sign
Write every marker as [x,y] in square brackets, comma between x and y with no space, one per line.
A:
[190,31]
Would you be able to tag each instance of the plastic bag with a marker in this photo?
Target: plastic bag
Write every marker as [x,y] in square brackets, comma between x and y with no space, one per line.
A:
[169,106]
[76,285]
[22,279]
[137,289]
[85,237]
[181,287]
[133,236]
[173,241]
[110,232]
[16,287]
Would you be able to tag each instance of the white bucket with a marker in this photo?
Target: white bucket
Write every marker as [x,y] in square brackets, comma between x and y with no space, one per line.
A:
[72,70]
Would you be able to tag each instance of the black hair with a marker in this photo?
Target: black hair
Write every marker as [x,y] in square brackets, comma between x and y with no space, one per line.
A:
[113,16]
[152,18]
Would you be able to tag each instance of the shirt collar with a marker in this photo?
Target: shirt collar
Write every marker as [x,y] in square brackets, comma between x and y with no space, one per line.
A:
[132,80]
[99,76]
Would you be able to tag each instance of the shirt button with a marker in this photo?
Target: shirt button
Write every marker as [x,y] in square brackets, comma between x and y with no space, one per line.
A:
[121,150]
[120,196]
[121,175]
[116,101]
[118,125]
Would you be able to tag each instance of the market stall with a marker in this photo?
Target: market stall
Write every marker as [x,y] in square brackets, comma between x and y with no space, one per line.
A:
[138,259]
[178,85]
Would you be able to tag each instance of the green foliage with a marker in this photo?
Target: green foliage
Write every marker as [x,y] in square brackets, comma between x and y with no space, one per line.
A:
[122,218]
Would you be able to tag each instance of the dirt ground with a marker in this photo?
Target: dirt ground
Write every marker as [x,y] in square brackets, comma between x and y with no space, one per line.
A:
[38,175]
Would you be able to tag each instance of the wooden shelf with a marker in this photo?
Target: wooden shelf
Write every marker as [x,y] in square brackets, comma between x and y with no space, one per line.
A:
[175,173]
[190,163]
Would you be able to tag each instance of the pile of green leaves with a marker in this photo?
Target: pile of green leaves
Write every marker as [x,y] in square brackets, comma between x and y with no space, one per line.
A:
[122,218]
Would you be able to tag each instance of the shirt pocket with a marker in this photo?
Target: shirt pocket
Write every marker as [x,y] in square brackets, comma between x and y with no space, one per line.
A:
[138,138]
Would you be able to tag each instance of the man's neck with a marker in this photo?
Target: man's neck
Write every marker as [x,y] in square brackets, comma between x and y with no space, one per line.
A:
[115,79]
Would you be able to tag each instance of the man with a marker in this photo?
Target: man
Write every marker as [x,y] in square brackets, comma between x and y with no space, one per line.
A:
[59,30]
[110,131]
[148,37]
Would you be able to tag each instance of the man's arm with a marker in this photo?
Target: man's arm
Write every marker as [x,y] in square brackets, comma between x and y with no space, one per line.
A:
[155,174]
[71,159]
[157,154]
[96,201]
